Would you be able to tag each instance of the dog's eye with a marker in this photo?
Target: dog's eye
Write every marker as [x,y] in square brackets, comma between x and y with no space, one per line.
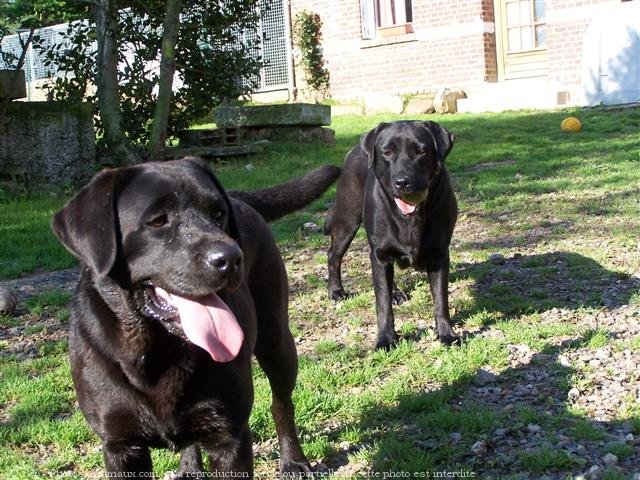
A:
[420,151]
[218,216]
[158,221]
[386,152]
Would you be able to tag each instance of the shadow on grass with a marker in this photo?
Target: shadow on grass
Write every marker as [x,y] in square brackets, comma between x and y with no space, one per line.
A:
[572,216]
[520,424]
[506,288]
[33,420]
[526,284]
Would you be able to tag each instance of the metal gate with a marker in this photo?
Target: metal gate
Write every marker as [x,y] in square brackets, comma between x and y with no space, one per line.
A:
[274,32]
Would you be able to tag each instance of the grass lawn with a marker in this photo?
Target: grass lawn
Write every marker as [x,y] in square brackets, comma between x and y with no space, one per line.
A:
[545,288]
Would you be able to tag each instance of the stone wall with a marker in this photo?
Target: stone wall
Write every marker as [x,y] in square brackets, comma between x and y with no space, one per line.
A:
[46,142]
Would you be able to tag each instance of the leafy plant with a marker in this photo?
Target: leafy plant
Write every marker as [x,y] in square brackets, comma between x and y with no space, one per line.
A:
[214,59]
[308,32]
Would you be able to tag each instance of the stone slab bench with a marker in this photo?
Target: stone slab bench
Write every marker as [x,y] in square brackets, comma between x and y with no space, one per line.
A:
[290,114]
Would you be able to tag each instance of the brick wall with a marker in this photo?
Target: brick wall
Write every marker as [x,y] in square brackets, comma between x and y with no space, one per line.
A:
[452,45]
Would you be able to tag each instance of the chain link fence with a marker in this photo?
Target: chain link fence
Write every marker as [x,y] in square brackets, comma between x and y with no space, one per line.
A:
[36,72]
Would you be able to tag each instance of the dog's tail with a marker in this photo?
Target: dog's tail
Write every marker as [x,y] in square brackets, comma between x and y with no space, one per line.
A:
[275,202]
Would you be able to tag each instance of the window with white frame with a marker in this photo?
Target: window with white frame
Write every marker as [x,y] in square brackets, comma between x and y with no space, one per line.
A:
[525,25]
[381,14]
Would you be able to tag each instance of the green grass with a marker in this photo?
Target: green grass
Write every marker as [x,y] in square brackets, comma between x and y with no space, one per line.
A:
[39,398]
[635,343]
[597,338]
[562,208]
[49,299]
[611,474]
[26,242]
[531,331]
[582,429]
[547,459]
[621,450]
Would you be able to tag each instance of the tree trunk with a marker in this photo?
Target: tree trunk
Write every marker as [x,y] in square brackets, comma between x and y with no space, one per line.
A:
[105,13]
[25,48]
[157,142]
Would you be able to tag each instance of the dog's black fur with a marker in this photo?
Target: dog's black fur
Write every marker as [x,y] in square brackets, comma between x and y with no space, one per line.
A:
[140,382]
[402,159]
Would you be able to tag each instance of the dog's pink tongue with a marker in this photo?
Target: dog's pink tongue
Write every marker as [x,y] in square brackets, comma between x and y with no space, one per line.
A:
[210,325]
[405,207]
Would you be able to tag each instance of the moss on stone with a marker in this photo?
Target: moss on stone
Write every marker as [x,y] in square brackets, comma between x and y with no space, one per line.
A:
[294,114]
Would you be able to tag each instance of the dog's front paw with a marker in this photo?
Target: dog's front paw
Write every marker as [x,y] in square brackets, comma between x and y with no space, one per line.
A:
[398,297]
[338,294]
[386,341]
[449,338]
[295,470]
[445,333]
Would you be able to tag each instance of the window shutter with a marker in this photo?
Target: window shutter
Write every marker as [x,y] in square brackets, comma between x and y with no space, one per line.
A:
[368,17]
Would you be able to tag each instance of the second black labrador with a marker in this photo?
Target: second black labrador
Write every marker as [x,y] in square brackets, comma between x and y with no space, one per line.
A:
[397,182]
[180,285]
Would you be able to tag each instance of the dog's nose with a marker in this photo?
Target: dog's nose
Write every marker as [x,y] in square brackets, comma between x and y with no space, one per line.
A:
[226,260]
[401,183]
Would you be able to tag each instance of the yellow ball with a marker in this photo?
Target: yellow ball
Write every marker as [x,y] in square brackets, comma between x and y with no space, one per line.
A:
[571,124]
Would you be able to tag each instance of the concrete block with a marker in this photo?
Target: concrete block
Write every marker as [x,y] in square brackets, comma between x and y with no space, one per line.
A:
[447,98]
[382,102]
[417,106]
[11,89]
[291,114]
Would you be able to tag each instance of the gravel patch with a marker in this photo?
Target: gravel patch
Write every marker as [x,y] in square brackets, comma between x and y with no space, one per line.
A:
[37,283]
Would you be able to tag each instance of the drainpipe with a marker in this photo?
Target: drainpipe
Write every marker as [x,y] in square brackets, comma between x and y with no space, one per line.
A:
[31,73]
[291,74]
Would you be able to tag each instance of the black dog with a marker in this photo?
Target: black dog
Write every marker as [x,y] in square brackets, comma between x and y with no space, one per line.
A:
[397,180]
[180,284]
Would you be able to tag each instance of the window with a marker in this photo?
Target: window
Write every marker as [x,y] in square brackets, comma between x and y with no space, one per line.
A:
[525,23]
[384,14]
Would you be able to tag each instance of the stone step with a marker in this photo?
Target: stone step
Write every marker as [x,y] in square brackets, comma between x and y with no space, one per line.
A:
[511,95]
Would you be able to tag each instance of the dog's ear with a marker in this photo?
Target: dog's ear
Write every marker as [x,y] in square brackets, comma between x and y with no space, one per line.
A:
[86,225]
[443,139]
[368,142]
[231,221]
